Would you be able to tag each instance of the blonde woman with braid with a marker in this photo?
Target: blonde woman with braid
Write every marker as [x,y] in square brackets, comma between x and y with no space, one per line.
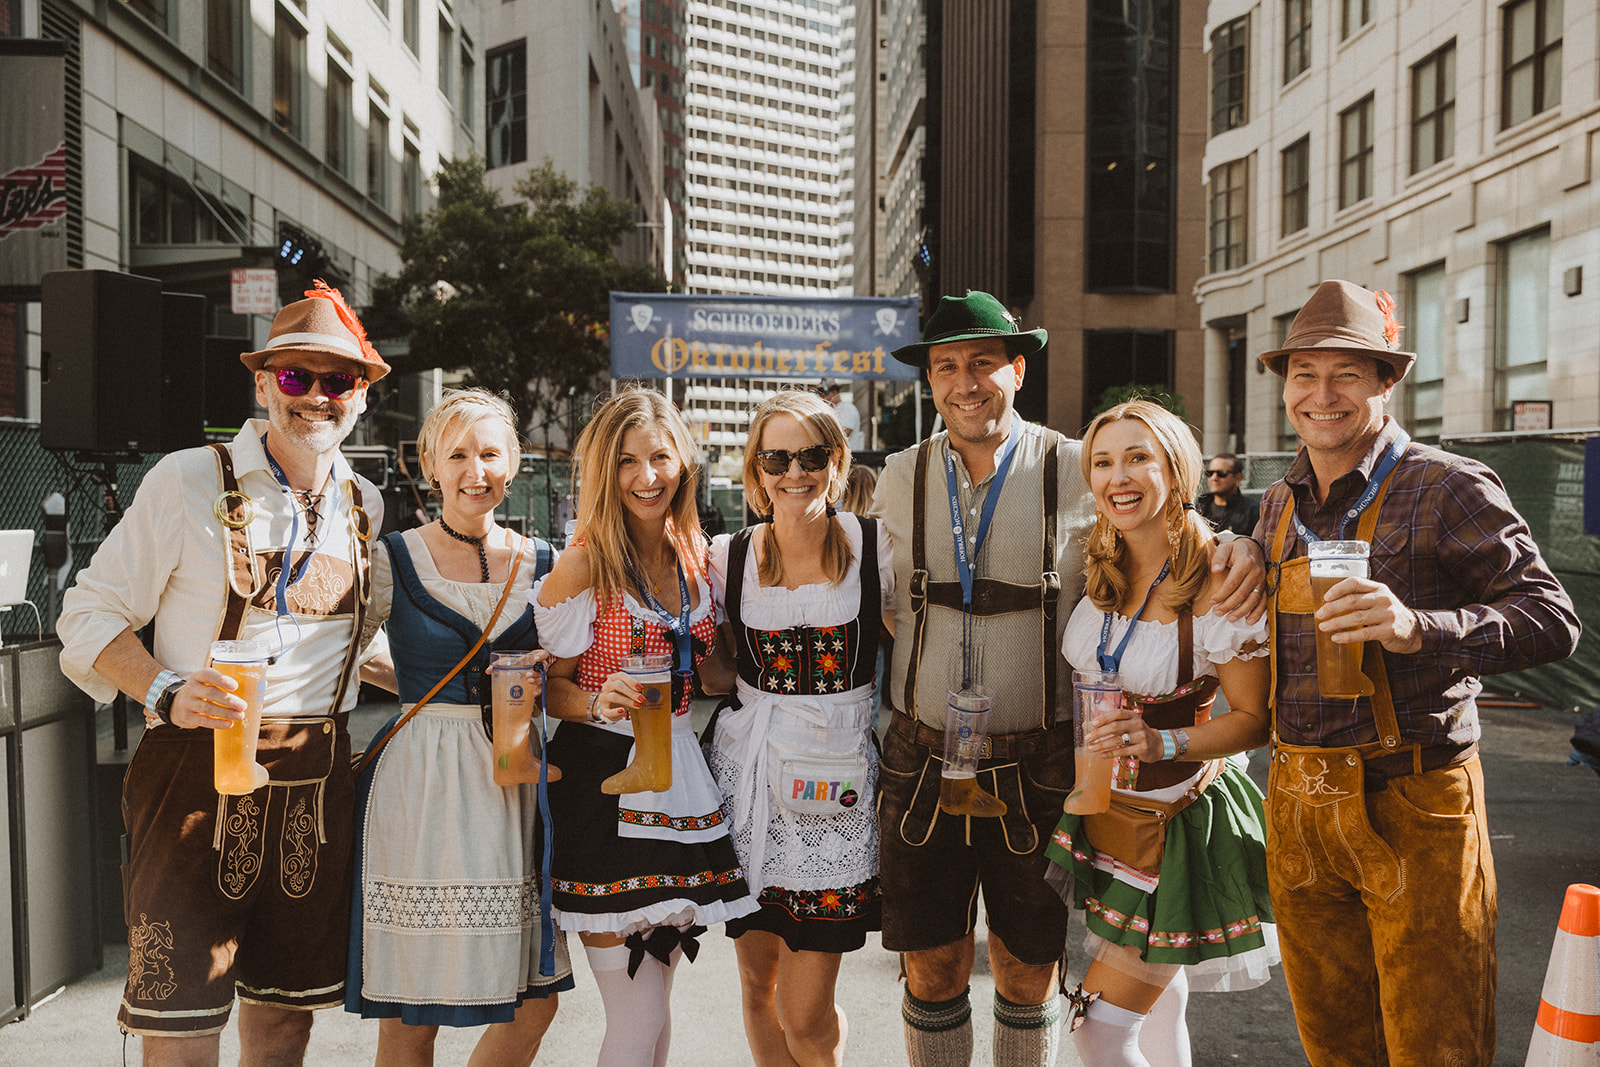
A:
[1180,903]
[803,593]
[634,874]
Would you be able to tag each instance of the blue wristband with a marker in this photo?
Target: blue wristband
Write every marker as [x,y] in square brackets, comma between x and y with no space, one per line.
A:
[164,679]
[1169,747]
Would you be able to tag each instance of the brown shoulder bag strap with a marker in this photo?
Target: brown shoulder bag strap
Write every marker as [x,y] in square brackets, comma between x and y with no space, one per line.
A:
[1050,584]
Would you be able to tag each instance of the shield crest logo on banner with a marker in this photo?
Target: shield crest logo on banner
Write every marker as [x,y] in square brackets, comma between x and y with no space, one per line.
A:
[642,317]
[887,320]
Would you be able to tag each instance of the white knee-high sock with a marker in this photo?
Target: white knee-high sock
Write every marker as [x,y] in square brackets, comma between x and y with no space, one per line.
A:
[1164,1040]
[636,1008]
[668,972]
[1109,1037]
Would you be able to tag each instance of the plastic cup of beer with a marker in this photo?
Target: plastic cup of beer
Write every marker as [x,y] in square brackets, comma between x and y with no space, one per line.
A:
[651,769]
[1338,666]
[966,726]
[516,679]
[235,770]
[1095,694]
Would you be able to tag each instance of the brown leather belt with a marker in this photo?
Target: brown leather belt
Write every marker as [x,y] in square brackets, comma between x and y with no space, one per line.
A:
[1380,769]
[1001,746]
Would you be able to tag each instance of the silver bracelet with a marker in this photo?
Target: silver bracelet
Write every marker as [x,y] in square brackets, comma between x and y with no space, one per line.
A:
[594,712]
[1180,740]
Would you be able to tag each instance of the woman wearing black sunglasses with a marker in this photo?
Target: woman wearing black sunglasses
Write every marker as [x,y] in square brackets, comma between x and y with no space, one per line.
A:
[793,754]
[444,854]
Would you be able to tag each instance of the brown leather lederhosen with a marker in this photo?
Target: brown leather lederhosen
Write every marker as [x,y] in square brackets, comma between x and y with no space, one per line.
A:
[1332,782]
[299,751]
[1134,830]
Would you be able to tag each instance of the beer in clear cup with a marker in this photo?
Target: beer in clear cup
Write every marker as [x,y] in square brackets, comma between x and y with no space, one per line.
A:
[515,683]
[1095,694]
[966,727]
[235,771]
[1338,666]
[651,769]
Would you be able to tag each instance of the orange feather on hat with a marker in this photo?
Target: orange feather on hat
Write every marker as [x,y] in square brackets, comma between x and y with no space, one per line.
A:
[320,288]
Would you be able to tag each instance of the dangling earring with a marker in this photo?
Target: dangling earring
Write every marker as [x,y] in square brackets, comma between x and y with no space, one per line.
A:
[1175,519]
[1103,538]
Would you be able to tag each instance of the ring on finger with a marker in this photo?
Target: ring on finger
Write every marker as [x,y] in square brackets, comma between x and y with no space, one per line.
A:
[1127,740]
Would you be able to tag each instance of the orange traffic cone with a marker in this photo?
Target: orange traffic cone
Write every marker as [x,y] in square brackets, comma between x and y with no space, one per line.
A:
[1567,1032]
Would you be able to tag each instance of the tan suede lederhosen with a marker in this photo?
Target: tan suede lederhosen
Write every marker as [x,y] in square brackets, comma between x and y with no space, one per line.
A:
[1381,879]
[273,926]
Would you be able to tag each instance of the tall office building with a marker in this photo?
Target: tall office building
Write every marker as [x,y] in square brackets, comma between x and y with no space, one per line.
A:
[655,31]
[1441,150]
[767,139]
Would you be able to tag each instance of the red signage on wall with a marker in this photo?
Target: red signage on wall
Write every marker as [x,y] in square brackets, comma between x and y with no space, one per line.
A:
[35,195]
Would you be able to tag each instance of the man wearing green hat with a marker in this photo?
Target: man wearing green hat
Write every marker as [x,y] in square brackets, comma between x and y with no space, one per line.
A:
[1377,846]
[987,521]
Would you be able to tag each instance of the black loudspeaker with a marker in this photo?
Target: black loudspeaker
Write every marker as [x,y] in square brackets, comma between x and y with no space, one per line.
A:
[230,388]
[121,365]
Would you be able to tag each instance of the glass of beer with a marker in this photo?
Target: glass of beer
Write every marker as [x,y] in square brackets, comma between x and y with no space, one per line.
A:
[516,679]
[1338,666]
[235,770]
[1094,694]
[966,727]
[651,769]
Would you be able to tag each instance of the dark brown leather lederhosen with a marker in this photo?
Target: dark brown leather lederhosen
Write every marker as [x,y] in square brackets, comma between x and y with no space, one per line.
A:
[299,752]
[1134,829]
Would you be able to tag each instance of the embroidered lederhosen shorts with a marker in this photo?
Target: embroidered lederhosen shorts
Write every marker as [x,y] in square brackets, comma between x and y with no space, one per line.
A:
[245,895]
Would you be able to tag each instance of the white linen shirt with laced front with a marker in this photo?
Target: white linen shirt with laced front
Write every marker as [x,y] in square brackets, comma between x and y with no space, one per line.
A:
[798,851]
[1150,662]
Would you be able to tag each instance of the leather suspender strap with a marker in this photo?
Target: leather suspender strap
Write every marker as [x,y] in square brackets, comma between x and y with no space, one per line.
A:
[361,564]
[919,575]
[241,580]
[377,746]
[1050,582]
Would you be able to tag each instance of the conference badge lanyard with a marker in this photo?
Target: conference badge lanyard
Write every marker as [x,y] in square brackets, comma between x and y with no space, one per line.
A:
[285,578]
[1111,658]
[678,627]
[1380,474]
[967,567]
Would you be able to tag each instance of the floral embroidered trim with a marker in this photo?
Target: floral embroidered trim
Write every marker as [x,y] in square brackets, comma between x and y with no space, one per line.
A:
[833,905]
[821,655]
[648,881]
[679,823]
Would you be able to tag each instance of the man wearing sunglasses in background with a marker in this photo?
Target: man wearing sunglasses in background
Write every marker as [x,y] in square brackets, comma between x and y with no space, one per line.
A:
[1014,492]
[264,538]
[1226,508]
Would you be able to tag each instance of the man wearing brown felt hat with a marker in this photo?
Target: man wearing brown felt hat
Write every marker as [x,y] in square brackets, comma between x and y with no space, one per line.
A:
[1378,849]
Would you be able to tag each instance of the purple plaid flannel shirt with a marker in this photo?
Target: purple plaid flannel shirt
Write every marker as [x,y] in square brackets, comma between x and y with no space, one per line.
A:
[1452,548]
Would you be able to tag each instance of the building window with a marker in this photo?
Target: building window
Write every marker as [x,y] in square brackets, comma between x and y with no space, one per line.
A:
[289,75]
[1353,15]
[154,11]
[469,78]
[340,118]
[447,56]
[1426,299]
[166,209]
[410,174]
[411,25]
[1531,70]
[1521,323]
[1355,153]
[1113,358]
[1433,108]
[1132,136]
[1230,69]
[1229,215]
[377,152]
[224,40]
[1297,186]
[505,99]
[1296,38]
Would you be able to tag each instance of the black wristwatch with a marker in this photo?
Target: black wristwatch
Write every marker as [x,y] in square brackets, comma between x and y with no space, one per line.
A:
[163,705]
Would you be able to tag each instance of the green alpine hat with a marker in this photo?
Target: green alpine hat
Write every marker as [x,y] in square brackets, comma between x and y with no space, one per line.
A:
[974,317]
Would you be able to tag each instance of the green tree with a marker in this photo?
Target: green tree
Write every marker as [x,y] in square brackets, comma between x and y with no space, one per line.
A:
[516,294]
[1117,394]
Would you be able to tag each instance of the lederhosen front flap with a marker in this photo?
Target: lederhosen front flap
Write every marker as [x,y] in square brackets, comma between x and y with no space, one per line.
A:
[990,596]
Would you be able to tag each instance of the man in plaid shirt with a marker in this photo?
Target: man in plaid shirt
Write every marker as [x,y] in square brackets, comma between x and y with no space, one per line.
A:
[1378,848]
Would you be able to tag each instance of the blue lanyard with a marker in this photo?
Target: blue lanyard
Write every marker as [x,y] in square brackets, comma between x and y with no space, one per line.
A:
[967,567]
[285,579]
[1374,485]
[678,627]
[1112,661]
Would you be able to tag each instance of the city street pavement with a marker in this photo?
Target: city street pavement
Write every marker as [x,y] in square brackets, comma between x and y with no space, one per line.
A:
[1544,818]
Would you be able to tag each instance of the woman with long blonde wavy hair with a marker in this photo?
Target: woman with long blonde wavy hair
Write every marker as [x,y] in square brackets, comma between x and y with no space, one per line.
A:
[1172,880]
[803,594]
[635,872]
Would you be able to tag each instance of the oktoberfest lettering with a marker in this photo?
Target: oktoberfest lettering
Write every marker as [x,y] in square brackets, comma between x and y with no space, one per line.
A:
[672,354]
